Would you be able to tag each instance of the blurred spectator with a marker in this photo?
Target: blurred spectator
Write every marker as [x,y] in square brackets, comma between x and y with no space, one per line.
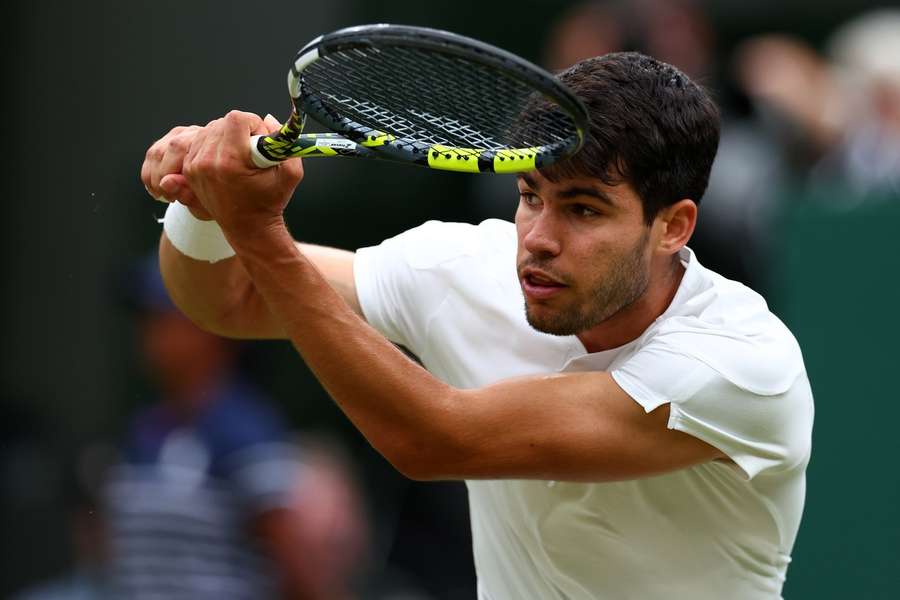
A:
[846,107]
[211,499]
[88,577]
[332,526]
[676,31]
[866,58]
[791,87]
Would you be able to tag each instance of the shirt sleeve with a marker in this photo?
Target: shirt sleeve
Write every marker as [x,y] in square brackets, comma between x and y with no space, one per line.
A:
[402,282]
[759,432]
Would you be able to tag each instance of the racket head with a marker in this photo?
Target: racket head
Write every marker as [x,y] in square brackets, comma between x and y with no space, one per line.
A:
[432,98]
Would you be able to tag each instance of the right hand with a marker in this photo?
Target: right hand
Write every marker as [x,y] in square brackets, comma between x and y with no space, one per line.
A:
[161,172]
[241,197]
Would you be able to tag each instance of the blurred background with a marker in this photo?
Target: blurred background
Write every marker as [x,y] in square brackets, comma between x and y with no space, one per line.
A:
[111,450]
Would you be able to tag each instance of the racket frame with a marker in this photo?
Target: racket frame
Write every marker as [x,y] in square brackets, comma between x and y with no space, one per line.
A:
[360,140]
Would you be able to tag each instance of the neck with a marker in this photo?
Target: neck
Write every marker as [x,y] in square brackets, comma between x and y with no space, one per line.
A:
[632,320]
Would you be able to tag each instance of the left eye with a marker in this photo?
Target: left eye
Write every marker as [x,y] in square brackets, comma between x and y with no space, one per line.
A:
[585,211]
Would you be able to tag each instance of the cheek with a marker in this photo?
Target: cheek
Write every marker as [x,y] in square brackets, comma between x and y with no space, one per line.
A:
[521,220]
[522,229]
[600,260]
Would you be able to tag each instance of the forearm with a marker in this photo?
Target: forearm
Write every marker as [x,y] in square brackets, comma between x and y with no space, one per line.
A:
[395,403]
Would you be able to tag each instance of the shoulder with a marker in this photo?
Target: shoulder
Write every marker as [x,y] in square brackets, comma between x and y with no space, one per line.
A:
[731,371]
[436,243]
[729,327]
[418,268]
[402,282]
[752,400]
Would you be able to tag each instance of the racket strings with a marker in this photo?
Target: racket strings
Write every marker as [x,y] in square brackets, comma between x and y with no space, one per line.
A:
[396,114]
[436,98]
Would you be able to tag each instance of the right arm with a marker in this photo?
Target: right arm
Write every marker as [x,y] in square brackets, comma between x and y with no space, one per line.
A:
[220,296]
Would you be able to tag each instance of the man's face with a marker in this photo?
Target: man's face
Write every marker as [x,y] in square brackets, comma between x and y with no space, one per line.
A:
[583,251]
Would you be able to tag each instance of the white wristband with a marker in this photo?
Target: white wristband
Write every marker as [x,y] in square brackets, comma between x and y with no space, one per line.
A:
[200,240]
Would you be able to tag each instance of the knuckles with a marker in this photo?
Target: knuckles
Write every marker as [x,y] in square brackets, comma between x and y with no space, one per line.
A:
[154,152]
[200,167]
[195,148]
[239,118]
[180,143]
[235,116]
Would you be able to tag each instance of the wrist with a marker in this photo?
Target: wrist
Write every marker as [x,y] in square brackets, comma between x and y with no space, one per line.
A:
[266,237]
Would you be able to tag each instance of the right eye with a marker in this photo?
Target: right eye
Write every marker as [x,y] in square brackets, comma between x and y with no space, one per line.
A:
[529,199]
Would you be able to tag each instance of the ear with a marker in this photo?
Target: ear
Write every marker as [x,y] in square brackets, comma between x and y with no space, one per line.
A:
[676,223]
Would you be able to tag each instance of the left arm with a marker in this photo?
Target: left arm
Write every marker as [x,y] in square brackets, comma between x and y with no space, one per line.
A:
[578,426]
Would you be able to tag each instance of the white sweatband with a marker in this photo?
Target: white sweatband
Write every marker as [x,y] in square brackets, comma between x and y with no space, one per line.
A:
[200,240]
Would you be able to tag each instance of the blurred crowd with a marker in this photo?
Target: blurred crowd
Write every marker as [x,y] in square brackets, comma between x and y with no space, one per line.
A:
[210,491]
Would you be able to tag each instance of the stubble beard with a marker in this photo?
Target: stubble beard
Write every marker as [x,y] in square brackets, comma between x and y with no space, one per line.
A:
[627,281]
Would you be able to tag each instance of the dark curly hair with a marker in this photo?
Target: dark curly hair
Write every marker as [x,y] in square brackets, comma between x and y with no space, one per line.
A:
[651,126]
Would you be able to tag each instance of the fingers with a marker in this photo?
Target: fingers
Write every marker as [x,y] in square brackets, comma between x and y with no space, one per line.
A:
[200,159]
[176,186]
[172,159]
[216,177]
[268,125]
[165,157]
[238,128]
[291,171]
[271,124]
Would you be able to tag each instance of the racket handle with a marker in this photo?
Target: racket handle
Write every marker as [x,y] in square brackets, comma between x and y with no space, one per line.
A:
[257,157]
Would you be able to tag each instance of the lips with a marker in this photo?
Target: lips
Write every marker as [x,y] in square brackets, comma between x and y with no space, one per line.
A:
[539,285]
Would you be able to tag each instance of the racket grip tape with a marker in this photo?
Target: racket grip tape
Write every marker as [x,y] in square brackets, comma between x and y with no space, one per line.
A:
[258,158]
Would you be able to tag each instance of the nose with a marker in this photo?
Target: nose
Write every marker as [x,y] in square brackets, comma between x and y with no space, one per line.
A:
[541,235]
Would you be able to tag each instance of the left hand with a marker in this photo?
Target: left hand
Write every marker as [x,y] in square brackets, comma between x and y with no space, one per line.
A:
[240,197]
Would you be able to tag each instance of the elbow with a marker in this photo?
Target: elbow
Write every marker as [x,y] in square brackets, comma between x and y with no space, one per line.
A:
[414,457]
[429,452]
[415,468]
[209,321]
[426,467]
[221,316]
[215,297]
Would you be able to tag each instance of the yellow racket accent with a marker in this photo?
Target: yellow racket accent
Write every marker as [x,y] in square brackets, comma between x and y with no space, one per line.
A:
[278,147]
[448,158]
[317,151]
[377,138]
[515,161]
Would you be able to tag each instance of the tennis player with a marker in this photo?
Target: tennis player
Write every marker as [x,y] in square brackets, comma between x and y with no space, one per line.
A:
[640,430]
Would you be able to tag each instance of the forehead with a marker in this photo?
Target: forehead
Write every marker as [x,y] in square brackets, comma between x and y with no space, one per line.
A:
[621,195]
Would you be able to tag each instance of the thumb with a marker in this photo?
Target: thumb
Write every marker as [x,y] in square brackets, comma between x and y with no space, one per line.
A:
[176,186]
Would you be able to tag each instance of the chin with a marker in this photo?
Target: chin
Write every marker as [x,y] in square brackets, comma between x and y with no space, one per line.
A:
[553,324]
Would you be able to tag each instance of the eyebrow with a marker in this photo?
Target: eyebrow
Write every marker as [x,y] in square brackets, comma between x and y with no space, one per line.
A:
[573,191]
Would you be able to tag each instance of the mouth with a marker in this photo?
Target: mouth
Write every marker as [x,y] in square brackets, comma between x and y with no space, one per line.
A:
[539,285]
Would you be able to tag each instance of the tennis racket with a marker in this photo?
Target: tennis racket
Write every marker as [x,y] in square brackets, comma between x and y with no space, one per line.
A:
[424,97]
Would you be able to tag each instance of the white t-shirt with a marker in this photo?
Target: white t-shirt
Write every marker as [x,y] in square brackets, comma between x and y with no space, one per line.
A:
[731,371]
